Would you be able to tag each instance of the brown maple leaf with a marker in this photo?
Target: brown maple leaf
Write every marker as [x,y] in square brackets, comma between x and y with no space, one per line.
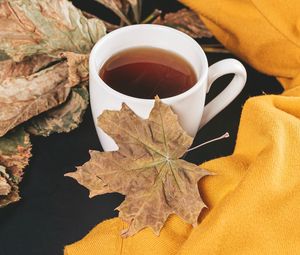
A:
[147,169]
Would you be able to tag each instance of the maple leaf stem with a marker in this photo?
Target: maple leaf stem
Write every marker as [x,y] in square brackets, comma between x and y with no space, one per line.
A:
[226,135]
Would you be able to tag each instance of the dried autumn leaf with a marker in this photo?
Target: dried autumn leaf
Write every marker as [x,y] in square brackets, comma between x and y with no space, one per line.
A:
[30,27]
[4,185]
[15,150]
[15,153]
[24,97]
[63,118]
[136,6]
[44,47]
[78,67]
[9,191]
[28,66]
[186,21]
[116,6]
[109,27]
[147,169]
[125,7]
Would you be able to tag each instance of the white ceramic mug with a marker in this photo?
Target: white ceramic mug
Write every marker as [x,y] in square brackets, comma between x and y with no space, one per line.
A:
[189,106]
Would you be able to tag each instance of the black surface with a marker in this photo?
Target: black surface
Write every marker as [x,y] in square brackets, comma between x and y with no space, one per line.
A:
[55,210]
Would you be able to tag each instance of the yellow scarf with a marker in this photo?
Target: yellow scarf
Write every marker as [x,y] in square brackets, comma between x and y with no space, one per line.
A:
[254,198]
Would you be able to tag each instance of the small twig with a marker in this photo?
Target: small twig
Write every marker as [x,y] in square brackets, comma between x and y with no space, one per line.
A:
[214,48]
[226,135]
[264,93]
[152,16]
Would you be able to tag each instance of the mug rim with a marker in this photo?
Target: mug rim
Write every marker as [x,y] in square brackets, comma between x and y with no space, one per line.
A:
[115,33]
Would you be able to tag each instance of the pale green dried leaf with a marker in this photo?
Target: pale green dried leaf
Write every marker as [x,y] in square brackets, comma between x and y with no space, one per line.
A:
[147,169]
[186,21]
[63,118]
[30,27]
[25,97]
[116,6]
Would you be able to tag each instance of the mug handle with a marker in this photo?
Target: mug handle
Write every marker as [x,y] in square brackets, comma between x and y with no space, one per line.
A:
[233,89]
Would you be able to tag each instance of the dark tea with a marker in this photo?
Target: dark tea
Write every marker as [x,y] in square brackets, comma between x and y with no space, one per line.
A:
[147,72]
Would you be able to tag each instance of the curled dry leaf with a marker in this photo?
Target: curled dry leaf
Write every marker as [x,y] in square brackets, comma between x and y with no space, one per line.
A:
[147,169]
[12,197]
[125,6]
[9,191]
[28,66]
[22,98]
[78,67]
[136,6]
[34,76]
[5,188]
[186,21]
[63,118]
[109,27]
[25,97]
[30,27]
[116,6]
[15,153]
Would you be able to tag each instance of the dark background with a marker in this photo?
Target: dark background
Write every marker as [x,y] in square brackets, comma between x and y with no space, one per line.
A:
[55,210]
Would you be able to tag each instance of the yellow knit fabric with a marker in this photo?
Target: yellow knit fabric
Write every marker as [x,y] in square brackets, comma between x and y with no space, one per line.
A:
[254,198]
